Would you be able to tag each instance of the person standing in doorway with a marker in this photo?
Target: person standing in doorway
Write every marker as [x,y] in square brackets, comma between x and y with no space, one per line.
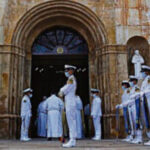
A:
[69,90]
[79,117]
[26,114]
[42,118]
[54,106]
[96,113]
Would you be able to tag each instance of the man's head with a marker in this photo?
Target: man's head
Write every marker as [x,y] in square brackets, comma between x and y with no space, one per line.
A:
[94,92]
[69,70]
[125,84]
[145,71]
[28,92]
[133,80]
[44,98]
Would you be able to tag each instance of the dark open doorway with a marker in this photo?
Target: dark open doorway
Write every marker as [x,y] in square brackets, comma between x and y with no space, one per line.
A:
[50,52]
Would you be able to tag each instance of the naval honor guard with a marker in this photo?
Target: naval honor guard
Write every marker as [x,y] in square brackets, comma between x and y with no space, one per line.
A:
[68,91]
[26,114]
[145,94]
[96,113]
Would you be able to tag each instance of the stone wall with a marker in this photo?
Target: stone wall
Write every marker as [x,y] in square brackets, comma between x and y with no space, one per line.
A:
[119,21]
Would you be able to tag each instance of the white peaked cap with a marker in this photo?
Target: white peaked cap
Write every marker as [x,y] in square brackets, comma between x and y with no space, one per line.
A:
[144,67]
[70,67]
[125,82]
[27,90]
[133,77]
[95,90]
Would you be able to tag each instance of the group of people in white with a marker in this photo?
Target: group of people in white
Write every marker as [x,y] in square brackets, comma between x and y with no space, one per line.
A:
[50,112]
[136,102]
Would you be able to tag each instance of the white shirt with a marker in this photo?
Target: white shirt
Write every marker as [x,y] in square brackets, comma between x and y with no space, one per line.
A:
[26,106]
[96,107]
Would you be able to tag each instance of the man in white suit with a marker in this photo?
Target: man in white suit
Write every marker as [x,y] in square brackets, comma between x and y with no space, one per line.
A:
[69,90]
[96,113]
[26,114]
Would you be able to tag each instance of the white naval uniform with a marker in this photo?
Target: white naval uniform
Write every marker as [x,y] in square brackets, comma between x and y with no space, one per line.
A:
[125,98]
[132,115]
[78,117]
[96,113]
[69,91]
[54,106]
[25,116]
[145,88]
[42,120]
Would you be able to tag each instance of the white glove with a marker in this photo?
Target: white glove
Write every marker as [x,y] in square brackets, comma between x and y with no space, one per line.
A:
[141,93]
[117,106]
[60,94]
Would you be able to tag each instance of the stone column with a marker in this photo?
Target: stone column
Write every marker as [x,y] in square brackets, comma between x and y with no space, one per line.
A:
[112,64]
[12,71]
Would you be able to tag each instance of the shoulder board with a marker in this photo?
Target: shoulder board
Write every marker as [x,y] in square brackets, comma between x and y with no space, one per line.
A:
[70,81]
[128,91]
[148,81]
[137,89]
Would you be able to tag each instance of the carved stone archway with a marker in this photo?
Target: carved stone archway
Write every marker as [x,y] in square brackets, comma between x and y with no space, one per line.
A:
[43,16]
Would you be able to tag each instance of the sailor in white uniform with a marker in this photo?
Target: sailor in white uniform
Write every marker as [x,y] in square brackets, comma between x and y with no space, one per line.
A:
[54,106]
[26,114]
[79,117]
[42,118]
[145,89]
[125,98]
[96,113]
[135,90]
[69,90]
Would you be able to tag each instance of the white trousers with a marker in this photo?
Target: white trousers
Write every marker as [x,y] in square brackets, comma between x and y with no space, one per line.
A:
[25,126]
[132,116]
[79,124]
[71,120]
[97,126]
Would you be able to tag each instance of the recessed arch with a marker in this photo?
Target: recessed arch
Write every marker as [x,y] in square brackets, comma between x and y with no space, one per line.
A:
[64,12]
[137,43]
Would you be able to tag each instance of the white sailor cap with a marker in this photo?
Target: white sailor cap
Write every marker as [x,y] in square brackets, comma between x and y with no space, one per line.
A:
[95,90]
[133,77]
[70,67]
[145,68]
[27,90]
[125,82]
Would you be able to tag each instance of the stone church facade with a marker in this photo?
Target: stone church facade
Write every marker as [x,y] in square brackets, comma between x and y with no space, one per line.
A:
[113,29]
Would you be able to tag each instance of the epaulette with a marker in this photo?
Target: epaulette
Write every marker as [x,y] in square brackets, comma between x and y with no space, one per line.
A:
[137,89]
[70,81]
[128,91]
[148,81]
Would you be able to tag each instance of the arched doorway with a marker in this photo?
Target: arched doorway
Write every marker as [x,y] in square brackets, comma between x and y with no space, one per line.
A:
[45,16]
[51,50]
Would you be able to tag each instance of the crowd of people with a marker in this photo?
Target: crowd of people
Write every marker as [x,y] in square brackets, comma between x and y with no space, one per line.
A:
[136,106]
[50,112]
